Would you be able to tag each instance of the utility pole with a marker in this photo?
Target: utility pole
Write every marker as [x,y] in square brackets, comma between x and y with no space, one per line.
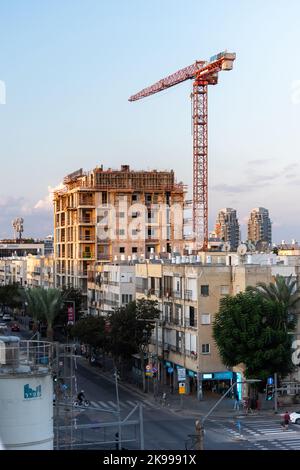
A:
[119,411]
[199,435]
[275,393]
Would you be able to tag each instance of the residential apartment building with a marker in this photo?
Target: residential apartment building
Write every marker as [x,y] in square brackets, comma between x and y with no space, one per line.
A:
[40,271]
[189,295]
[110,286]
[260,228]
[27,271]
[9,249]
[227,227]
[13,271]
[109,215]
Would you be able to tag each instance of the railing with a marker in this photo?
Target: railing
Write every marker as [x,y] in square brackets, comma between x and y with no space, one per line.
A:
[87,238]
[177,294]
[86,220]
[188,295]
[36,356]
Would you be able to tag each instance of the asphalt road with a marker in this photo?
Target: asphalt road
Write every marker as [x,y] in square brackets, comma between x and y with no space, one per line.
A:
[163,429]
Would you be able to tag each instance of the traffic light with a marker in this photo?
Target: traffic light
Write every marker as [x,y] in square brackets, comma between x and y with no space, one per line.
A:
[269,392]
[55,378]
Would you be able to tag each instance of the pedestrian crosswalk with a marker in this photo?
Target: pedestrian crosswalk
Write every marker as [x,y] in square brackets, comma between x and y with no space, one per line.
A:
[113,406]
[265,434]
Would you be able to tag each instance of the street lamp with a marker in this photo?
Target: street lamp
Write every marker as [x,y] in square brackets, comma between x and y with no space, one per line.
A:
[199,424]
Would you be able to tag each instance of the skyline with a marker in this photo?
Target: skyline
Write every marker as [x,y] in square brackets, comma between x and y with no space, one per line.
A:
[64,90]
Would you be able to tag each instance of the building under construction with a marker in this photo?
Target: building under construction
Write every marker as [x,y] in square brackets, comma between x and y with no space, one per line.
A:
[108,215]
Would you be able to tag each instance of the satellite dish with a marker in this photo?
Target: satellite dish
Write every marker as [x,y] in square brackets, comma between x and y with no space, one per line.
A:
[242,249]
[226,247]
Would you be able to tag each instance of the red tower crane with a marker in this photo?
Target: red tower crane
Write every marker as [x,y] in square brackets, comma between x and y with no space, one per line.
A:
[203,73]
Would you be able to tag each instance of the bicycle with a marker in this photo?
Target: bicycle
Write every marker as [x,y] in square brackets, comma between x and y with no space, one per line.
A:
[163,400]
[85,403]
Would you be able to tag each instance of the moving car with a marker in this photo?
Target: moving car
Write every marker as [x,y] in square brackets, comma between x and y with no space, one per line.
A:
[295,417]
[15,327]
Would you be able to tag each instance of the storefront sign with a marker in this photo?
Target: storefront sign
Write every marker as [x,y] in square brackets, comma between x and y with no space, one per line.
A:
[181,388]
[181,372]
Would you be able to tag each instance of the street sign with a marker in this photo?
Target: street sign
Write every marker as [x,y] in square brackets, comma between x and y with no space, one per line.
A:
[154,370]
[170,370]
[148,367]
[181,388]
[181,372]
[270,380]
[70,315]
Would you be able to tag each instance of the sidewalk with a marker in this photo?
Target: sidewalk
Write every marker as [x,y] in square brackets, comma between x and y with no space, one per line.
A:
[188,405]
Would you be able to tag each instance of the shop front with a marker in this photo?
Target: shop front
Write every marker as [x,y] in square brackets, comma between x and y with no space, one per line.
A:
[218,383]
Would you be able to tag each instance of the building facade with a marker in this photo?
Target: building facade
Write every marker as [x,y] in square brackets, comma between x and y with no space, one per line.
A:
[110,215]
[227,227]
[260,228]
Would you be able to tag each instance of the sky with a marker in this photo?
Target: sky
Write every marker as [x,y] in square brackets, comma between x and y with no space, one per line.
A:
[67,68]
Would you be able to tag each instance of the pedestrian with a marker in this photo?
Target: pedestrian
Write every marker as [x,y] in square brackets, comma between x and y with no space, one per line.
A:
[236,402]
[286,420]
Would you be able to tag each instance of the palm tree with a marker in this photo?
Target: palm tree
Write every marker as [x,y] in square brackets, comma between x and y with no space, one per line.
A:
[283,291]
[33,305]
[51,301]
[45,304]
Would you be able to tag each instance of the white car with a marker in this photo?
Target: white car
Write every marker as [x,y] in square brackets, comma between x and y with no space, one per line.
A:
[3,326]
[6,317]
[295,417]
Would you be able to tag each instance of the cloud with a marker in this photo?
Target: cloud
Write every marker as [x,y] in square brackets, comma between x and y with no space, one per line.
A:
[46,204]
[260,161]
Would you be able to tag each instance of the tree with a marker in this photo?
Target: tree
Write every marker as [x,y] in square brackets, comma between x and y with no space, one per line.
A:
[11,296]
[44,304]
[73,295]
[131,327]
[283,291]
[91,331]
[252,330]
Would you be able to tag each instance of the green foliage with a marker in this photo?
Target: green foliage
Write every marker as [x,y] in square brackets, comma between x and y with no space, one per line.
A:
[73,295]
[44,304]
[131,327]
[283,291]
[251,330]
[11,296]
[90,330]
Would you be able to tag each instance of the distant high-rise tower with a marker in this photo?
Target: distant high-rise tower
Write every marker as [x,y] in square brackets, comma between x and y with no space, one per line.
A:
[260,227]
[227,227]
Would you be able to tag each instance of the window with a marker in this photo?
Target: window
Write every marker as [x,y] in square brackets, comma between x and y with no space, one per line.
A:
[192,316]
[134,232]
[121,231]
[104,198]
[126,298]
[205,348]
[205,319]
[134,197]
[134,249]
[122,249]
[224,290]
[121,215]
[204,290]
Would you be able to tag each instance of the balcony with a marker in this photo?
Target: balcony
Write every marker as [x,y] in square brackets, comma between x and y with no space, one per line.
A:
[177,294]
[188,295]
[86,202]
[168,293]
[86,255]
[86,238]
[86,220]
[103,257]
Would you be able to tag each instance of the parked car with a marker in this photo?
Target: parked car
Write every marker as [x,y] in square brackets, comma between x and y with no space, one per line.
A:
[6,317]
[295,417]
[3,326]
[15,327]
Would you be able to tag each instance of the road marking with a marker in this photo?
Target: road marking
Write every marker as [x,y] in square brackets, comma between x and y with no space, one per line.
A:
[131,403]
[103,404]
[113,404]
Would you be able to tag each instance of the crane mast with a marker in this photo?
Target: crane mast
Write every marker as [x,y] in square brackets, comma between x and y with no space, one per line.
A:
[203,73]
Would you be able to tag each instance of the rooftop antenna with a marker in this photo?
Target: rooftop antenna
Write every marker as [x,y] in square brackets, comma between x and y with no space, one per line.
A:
[18,228]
